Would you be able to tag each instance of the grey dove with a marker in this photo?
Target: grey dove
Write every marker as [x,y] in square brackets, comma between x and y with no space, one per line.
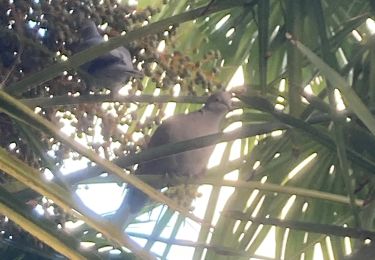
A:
[110,70]
[191,163]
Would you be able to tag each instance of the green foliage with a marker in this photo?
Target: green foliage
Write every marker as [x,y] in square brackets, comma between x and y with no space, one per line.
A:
[280,46]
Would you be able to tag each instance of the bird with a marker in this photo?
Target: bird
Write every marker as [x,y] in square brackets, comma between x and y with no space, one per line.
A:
[180,127]
[110,70]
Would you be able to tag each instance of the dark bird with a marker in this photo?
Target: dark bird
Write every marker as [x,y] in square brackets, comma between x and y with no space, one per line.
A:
[110,70]
[191,163]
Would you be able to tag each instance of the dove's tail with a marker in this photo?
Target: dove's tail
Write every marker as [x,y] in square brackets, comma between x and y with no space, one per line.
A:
[133,202]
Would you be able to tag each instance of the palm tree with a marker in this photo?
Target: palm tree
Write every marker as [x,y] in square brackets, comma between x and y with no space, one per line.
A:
[297,170]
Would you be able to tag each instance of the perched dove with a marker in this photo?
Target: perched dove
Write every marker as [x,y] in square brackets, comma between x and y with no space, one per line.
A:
[110,70]
[177,128]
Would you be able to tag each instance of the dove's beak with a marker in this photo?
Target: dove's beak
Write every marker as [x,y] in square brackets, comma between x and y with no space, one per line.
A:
[228,104]
[137,74]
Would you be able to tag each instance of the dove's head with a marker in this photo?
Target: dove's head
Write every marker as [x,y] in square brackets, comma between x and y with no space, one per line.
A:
[88,30]
[220,102]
